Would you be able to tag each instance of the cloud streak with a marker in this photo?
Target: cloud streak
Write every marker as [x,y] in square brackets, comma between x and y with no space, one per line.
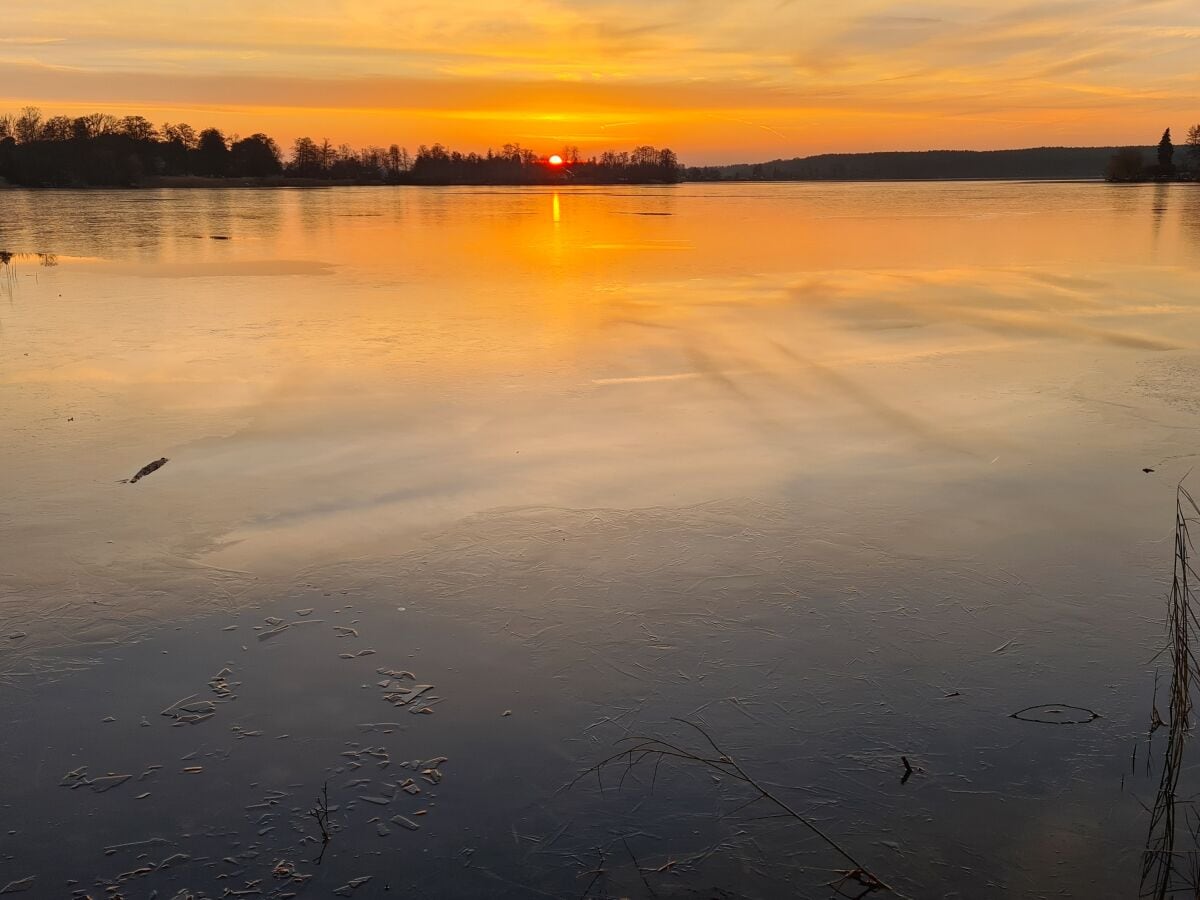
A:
[794,78]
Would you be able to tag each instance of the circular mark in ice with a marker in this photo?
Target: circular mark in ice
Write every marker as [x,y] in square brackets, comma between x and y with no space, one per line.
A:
[1056,714]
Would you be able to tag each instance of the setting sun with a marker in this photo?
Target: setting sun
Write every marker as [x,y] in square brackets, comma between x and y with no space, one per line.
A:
[555,160]
[742,82]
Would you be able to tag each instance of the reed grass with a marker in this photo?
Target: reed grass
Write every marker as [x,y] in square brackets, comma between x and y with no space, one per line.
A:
[1165,869]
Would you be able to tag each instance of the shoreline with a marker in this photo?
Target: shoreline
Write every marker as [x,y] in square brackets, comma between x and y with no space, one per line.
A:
[190,183]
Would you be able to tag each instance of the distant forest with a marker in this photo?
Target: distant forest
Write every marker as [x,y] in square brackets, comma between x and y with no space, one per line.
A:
[1133,165]
[102,150]
[1039,163]
[1151,163]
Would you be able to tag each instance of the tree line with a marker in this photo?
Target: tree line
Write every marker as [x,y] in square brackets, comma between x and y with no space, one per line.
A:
[517,165]
[1131,165]
[921,165]
[104,150]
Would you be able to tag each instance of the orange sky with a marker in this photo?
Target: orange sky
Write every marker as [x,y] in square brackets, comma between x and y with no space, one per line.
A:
[717,81]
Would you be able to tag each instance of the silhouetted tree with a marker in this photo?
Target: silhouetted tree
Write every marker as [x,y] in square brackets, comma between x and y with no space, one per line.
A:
[99,149]
[396,160]
[326,155]
[59,128]
[181,133]
[256,156]
[1193,144]
[668,165]
[173,151]
[345,162]
[212,154]
[1126,165]
[138,128]
[1166,149]
[97,124]
[374,161]
[516,165]
[1166,157]
[305,160]
[28,126]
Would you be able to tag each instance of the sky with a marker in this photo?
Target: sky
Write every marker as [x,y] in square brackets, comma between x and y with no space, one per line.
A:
[732,81]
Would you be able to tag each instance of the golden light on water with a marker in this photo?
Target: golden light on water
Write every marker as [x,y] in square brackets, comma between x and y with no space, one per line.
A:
[689,433]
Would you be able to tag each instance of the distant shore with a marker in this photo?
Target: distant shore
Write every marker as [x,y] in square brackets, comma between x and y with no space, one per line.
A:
[295,183]
[189,182]
[101,150]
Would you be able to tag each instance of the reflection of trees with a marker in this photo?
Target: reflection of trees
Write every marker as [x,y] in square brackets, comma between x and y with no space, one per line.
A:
[1158,209]
[7,276]
[1189,215]
[64,225]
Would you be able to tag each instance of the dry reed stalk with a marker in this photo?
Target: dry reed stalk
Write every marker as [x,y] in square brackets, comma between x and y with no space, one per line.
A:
[642,749]
[1163,872]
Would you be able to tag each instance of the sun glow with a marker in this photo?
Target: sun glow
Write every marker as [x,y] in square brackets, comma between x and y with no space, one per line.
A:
[750,81]
[555,160]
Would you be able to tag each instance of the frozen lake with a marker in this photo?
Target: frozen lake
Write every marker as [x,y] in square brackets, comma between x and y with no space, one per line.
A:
[840,472]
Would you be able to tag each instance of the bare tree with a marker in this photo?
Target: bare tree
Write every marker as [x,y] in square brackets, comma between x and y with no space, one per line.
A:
[28,126]
[94,125]
[59,128]
[182,133]
[138,128]
[305,156]
[1126,165]
[326,155]
[1193,143]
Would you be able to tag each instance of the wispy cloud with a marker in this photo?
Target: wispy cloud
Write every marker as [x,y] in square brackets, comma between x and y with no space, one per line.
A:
[17,41]
[865,74]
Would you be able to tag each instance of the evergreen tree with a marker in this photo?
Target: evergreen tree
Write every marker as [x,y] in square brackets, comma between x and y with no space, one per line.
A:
[1166,155]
